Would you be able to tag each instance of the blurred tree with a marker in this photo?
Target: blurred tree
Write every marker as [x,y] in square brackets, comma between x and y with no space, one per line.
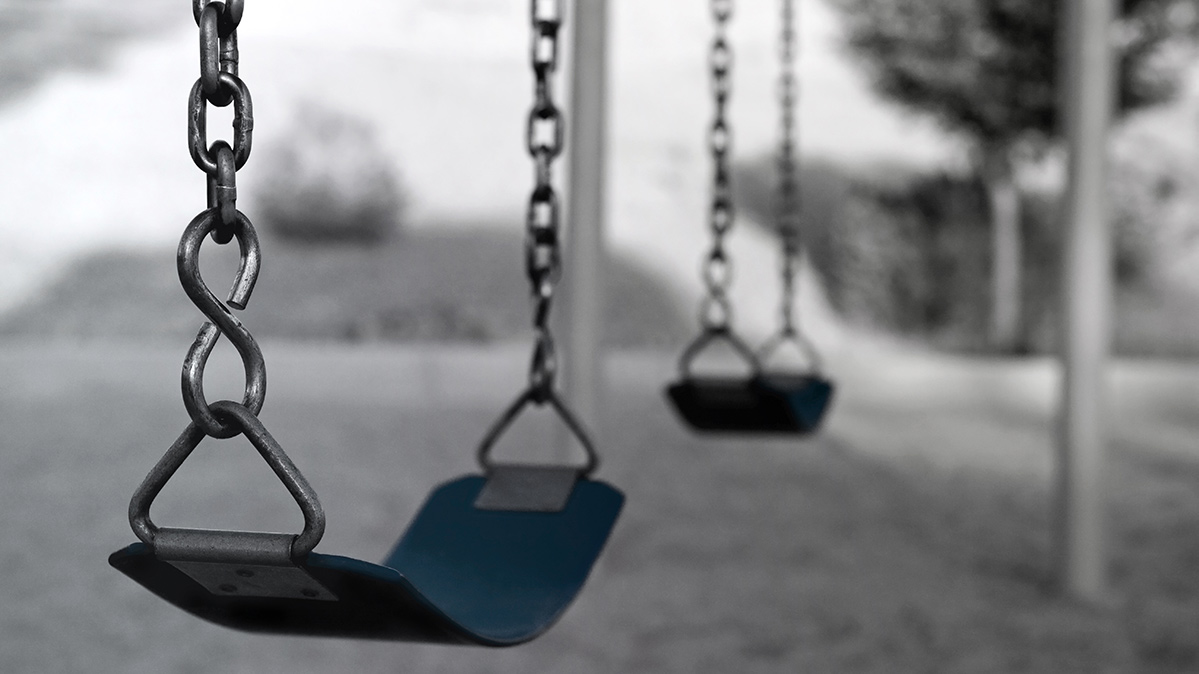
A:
[330,180]
[988,70]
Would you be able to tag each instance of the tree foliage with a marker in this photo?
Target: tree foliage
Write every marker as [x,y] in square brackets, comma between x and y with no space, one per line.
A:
[330,180]
[989,68]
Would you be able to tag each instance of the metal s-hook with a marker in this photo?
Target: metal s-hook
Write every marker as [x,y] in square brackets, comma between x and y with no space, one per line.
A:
[221,321]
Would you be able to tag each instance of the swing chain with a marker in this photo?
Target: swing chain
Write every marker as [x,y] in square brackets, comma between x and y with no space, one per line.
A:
[788,205]
[545,138]
[715,310]
[218,21]
[219,85]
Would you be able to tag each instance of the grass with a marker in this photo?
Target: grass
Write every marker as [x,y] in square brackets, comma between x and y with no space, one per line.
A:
[911,536]
[1158,321]
[426,285]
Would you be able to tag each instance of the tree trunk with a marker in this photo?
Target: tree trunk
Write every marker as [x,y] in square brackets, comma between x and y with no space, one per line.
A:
[1006,246]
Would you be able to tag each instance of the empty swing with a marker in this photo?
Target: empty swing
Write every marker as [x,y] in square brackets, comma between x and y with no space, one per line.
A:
[758,401]
[491,559]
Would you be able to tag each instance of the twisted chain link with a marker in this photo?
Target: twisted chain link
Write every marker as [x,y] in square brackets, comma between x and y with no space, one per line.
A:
[715,309]
[545,137]
[788,200]
[220,85]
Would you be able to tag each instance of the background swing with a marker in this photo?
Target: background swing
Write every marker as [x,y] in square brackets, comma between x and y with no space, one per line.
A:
[763,400]
[491,559]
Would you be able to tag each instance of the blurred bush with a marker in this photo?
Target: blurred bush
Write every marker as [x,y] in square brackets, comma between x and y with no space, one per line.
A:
[1154,198]
[910,255]
[909,252]
[329,180]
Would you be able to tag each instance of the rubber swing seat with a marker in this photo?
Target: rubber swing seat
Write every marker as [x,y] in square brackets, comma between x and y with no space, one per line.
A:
[461,574]
[765,403]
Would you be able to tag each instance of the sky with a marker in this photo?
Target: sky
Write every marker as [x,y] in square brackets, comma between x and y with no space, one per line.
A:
[103,159]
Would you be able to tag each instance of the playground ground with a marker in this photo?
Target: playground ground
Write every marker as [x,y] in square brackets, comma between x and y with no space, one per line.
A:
[911,536]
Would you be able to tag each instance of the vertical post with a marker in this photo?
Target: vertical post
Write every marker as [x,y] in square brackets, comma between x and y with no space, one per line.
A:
[1004,198]
[583,256]
[1088,74]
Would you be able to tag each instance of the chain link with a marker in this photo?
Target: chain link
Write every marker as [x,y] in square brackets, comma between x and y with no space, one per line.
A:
[715,309]
[788,203]
[224,418]
[220,85]
[218,50]
[221,321]
[545,137]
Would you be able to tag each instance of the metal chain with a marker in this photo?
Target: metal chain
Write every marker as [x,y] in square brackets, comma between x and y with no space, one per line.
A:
[545,138]
[219,85]
[788,205]
[715,310]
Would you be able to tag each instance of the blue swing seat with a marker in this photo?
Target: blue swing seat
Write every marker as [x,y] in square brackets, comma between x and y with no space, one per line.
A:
[461,574]
[807,395]
[767,403]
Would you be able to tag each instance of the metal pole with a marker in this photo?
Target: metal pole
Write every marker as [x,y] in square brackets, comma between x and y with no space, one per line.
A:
[1088,72]
[583,253]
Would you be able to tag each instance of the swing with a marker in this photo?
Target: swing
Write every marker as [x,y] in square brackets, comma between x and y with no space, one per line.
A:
[749,404]
[757,402]
[491,559]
